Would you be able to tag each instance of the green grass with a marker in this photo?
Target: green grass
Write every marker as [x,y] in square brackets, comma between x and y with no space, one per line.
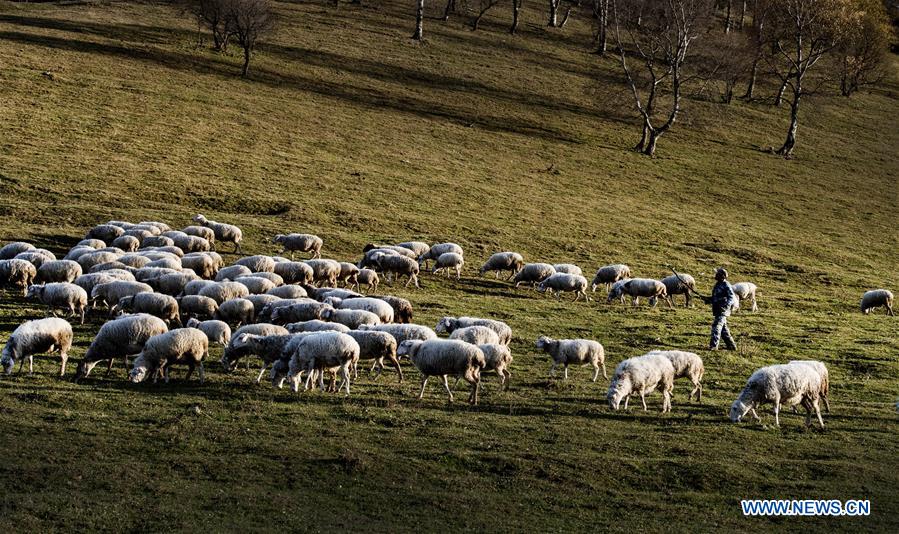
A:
[348,129]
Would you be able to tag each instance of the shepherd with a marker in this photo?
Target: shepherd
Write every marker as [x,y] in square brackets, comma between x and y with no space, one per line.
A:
[722,300]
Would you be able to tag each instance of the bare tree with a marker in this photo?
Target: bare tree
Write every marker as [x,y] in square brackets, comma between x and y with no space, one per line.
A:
[516,9]
[722,61]
[862,50]
[213,14]
[419,18]
[601,15]
[248,20]
[660,34]
[802,32]
[554,14]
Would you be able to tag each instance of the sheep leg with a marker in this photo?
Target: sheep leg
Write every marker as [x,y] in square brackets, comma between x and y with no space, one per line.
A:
[261,372]
[626,399]
[508,379]
[552,369]
[201,372]
[396,364]
[424,382]
[30,364]
[21,364]
[826,404]
[165,374]
[643,400]
[345,374]
[446,385]
[818,412]
[596,371]
[604,375]
[109,368]
[777,413]
[65,358]
[566,371]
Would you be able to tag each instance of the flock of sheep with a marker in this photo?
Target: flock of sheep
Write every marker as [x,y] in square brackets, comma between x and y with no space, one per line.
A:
[295,318]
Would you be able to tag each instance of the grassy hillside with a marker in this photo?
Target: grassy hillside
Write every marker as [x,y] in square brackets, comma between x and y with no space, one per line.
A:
[348,129]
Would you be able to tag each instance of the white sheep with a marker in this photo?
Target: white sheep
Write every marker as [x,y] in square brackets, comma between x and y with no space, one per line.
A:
[216,331]
[567,352]
[157,241]
[476,335]
[377,346]
[787,385]
[377,306]
[128,243]
[59,271]
[238,348]
[498,358]
[288,292]
[189,346]
[533,274]
[172,284]
[436,250]
[350,318]
[256,285]
[822,371]
[92,243]
[225,233]
[745,291]
[197,306]
[11,250]
[37,337]
[609,274]
[636,288]
[232,272]
[501,261]
[368,277]
[682,284]
[639,376]
[315,325]
[201,231]
[877,298]
[204,265]
[222,291]
[686,365]
[324,271]
[163,306]
[562,282]
[403,332]
[105,232]
[446,325]
[98,257]
[399,266]
[321,351]
[568,268]
[119,338]
[448,262]
[110,293]
[349,274]
[402,308]
[235,311]
[258,263]
[417,247]
[69,297]
[445,358]
[18,273]
[295,312]
[300,243]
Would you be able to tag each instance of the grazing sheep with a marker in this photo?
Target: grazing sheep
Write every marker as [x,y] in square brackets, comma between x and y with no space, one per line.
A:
[205,266]
[304,311]
[190,243]
[135,261]
[498,358]
[92,243]
[610,274]
[368,277]
[501,261]
[189,346]
[87,282]
[11,250]
[562,282]
[258,263]
[350,318]
[127,243]
[80,250]
[400,266]
[349,274]
[238,349]
[573,351]
[137,233]
[568,268]
[390,249]
[686,364]
[232,272]
[369,258]
[18,273]
[449,262]
[476,335]
[163,306]
[374,345]
[403,332]
[877,298]
[381,308]
[216,331]
[144,274]
[269,348]
[265,315]
[417,247]
[261,301]
[533,274]
[222,291]
[201,231]
[97,257]
[325,293]
[111,293]
[788,385]
[445,358]
[111,266]
[59,271]
[821,369]
[639,376]
[300,243]
[237,311]
[744,291]
[295,272]
[63,295]
[436,250]
[315,325]
[324,270]
[195,286]
[225,233]
[197,306]
[105,232]
[447,325]
[288,292]
[34,257]
[118,339]
[322,351]
[636,288]
[157,241]
[165,263]
[256,285]
[172,284]
[402,308]
[271,277]
[678,286]
[37,337]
